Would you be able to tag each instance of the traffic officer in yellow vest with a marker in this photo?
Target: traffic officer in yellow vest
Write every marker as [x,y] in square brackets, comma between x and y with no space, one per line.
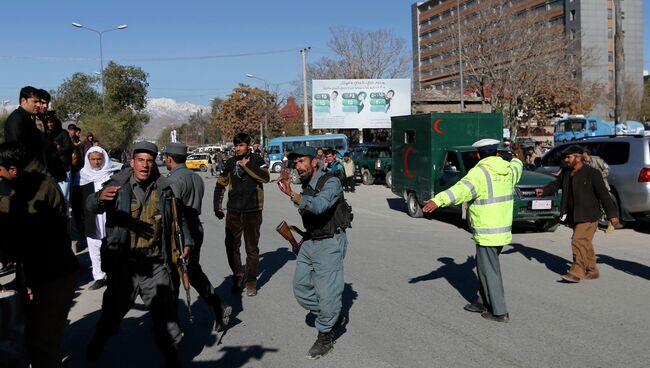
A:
[488,187]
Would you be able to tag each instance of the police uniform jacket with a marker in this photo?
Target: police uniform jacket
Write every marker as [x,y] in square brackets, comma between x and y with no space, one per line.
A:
[118,216]
[188,187]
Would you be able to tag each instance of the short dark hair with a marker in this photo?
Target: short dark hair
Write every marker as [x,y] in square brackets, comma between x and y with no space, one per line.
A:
[72,127]
[331,151]
[28,92]
[179,159]
[13,154]
[586,150]
[241,138]
[45,95]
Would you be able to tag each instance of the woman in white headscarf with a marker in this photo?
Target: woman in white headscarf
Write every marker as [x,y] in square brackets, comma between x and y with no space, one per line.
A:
[97,169]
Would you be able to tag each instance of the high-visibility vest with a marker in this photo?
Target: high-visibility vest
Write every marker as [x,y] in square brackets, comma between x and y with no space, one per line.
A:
[489,189]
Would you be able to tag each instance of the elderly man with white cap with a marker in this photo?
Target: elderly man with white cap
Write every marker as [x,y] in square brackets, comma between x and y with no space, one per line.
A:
[488,188]
[97,170]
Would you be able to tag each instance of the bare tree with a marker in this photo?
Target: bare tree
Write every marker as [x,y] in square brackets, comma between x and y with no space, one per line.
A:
[520,62]
[360,55]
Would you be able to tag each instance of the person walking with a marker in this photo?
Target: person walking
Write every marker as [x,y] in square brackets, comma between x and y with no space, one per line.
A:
[137,255]
[348,166]
[36,214]
[583,192]
[97,170]
[318,279]
[488,187]
[244,175]
[188,188]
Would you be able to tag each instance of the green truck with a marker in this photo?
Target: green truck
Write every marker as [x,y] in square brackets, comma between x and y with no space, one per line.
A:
[431,152]
[372,161]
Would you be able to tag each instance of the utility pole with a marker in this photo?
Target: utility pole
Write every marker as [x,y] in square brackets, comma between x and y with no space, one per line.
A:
[305,105]
[619,63]
[460,60]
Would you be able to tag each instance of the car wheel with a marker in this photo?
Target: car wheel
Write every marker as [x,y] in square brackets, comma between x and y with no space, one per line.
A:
[276,168]
[413,207]
[295,177]
[548,226]
[203,168]
[389,179]
[366,177]
[603,221]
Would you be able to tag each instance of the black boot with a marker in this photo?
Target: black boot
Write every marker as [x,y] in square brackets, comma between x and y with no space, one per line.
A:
[323,345]
[221,312]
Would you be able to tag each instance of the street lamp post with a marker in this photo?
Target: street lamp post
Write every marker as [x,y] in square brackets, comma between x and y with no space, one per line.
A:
[101,51]
[263,130]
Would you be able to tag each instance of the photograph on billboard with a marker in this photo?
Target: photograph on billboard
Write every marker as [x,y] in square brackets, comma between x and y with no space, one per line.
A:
[359,103]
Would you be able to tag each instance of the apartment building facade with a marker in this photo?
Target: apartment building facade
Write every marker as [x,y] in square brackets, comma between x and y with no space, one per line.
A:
[589,22]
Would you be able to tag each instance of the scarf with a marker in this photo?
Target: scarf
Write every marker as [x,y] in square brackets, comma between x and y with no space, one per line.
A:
[88,175]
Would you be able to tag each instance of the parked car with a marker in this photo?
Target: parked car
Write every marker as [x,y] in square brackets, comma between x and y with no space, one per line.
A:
[629,178]
[373,161]
[198,161]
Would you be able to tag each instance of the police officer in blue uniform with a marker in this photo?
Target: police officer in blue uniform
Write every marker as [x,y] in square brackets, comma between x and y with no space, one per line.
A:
[318,279]
[188,187]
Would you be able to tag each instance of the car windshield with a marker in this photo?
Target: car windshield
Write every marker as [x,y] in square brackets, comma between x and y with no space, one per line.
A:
[383,152]
[470,159]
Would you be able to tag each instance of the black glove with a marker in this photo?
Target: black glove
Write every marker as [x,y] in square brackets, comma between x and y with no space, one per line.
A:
[219,214]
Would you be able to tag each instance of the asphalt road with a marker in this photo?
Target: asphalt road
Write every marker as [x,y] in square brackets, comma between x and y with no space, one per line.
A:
[406,283]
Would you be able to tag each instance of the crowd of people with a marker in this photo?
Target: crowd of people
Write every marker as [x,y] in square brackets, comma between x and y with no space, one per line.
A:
[144,233]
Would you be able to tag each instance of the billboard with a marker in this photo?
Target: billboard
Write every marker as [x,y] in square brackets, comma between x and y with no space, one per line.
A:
[359,103]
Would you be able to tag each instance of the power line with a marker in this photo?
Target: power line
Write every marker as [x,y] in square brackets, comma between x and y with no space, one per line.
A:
[174,58]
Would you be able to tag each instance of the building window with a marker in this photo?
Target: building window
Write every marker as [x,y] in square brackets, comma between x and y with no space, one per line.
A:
[611,75]
[572,15]
[610,57]
[609,14]
[610,33]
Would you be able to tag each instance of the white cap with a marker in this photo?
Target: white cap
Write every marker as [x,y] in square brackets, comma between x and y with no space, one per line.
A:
[485,142]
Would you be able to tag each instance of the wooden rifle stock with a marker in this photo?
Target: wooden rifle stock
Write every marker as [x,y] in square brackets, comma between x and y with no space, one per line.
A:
[285,230]
[182,264]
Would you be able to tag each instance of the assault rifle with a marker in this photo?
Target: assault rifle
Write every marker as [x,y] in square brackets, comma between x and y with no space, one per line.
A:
[285,230]
[182,264]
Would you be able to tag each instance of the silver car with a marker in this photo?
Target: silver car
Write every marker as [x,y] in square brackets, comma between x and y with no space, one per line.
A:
[629,160]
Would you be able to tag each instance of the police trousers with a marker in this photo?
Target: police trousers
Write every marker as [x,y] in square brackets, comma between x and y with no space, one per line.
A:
[318,279]
[151,281]
[488,270]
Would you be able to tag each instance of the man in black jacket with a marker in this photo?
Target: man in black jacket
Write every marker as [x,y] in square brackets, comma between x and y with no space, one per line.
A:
[583,191]
[243,175]
[21,127]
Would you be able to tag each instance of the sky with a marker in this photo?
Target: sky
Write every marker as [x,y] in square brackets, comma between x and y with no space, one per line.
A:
[187,47]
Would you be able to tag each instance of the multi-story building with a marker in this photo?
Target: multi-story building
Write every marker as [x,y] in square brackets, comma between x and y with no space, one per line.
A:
[589,22]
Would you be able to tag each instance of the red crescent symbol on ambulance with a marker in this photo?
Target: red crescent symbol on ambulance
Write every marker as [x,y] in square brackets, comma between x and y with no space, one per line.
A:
[408,172]
[435,126]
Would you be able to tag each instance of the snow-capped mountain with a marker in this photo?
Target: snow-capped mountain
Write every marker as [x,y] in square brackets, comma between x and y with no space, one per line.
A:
[165,112]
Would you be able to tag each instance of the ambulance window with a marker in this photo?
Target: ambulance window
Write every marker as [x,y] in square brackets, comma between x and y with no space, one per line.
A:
[409,136]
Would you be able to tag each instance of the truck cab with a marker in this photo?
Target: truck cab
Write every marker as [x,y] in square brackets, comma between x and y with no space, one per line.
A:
[432,152]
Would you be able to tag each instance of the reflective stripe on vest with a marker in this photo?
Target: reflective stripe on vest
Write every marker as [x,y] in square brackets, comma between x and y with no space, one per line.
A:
[451,195]
[471,188]
[494,230]
[504,198]
[488,178]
